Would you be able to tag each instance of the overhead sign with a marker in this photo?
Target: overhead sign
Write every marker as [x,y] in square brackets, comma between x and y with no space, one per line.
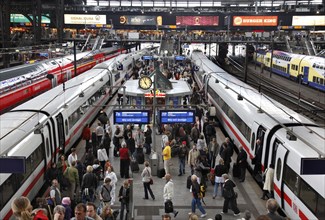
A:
[177,116]
[12,164]
[312,166]
[197,20]
[20,18]
[131,116]
[179,58]
[316,20]
[84,19]
[255,20]
[140,20]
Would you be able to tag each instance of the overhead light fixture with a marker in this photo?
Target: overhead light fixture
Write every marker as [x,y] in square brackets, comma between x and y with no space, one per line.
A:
[101,79]
[216,81]
[81,95]
[226,87]
[240,97]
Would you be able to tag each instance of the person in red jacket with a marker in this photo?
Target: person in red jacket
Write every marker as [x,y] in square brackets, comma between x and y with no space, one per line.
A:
[86,135]
[124,161]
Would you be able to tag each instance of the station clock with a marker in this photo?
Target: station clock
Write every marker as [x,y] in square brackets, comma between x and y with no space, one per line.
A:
[145,82]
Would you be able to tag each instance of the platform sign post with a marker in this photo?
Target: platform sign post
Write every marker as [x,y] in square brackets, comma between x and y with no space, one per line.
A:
[12,164]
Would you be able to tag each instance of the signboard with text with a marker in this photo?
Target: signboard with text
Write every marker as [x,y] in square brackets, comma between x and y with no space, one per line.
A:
[20,18]
[84,19]
[316,20]
[197,20]
[15,164]
[131,116]
[255,20]
[177,116]
[140,20]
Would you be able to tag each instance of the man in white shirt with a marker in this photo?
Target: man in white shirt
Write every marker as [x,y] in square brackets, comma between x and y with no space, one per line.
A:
[169,191]
[72,157]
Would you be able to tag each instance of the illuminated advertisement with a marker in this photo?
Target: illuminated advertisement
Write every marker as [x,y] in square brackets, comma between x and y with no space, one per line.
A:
[84,19]
[140,20]
[197,20]
[20,18]
[317,20]
[255,20]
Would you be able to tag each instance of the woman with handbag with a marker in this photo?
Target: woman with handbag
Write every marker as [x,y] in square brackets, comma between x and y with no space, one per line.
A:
[146,179]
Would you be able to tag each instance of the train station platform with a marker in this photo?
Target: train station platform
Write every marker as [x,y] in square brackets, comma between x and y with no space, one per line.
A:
[249,192]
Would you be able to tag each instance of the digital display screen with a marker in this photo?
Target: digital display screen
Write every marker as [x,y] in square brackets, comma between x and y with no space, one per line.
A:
[12,165]
[147,57]
[179,58]
[131,116]
[312,166]
[177,116]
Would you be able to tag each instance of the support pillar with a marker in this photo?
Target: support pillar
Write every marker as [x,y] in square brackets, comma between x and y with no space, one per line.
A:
[37,21]
[5,30]
[60,20]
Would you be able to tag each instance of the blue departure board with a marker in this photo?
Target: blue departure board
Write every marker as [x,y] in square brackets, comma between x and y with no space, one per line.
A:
[177,116]
[147,57]
[131,116]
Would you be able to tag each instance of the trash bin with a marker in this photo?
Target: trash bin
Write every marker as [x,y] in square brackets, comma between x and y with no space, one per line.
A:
[154,163]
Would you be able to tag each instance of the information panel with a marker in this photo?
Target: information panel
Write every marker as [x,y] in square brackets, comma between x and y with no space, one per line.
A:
[12,165]
[312,166]
[177,116]
[131,116]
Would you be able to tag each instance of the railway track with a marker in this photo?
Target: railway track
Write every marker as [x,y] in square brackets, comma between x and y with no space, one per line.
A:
[292,99]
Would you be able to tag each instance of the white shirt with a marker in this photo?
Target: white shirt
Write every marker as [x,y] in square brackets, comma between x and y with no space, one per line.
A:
[168,191]
[113,178]
[72,158]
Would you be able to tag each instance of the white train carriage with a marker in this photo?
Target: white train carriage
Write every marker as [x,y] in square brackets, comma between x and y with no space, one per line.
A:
[52,122]
[288,139]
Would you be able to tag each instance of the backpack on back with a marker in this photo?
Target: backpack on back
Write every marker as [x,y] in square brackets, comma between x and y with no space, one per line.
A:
[202,192]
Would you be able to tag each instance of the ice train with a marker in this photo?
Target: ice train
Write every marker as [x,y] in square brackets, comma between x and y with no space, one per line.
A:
[293,143]
[20,83]
[52,122]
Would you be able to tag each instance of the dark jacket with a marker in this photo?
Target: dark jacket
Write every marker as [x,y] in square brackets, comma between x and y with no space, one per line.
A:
[229,186]
[242,159]
[195,189]
[220,169]
[125,199]
[90,181]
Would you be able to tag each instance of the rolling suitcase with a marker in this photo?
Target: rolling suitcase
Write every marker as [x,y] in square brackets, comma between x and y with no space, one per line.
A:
[134,166]
[236,170]
[161,173]
[188,182]
[140,158]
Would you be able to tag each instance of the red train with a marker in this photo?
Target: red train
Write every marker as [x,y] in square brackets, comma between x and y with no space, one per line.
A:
[20,83]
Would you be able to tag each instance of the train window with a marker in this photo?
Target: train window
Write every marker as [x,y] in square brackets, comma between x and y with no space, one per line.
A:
[314,65]
[317,66]
[66,127]
[320,209]
[314,78]
[291,179]
[253,142]
[321,81]
[278,169]
[275,148]
[47,144]
[308,196]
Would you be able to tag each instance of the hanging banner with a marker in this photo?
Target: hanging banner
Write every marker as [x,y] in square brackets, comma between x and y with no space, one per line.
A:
[317,20]
[255,20]
[84,19]
[197,20]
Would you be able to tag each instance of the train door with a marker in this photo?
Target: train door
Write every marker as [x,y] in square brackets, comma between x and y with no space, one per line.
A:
[68,74]
[306,73]
[280,160]
[60,124]
[47,140]
[259,150]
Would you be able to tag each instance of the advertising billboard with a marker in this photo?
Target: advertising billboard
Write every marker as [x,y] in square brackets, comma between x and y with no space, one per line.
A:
[20,18]
[140,20]
[255,20]
[316,20]
[84,19]
[197,20]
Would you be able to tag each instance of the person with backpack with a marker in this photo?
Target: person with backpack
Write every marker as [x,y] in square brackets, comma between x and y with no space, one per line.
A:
[89,185]
[197,196]
[182,152]
[105,192]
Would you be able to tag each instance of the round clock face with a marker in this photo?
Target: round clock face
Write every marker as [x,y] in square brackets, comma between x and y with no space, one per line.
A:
[145,82]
